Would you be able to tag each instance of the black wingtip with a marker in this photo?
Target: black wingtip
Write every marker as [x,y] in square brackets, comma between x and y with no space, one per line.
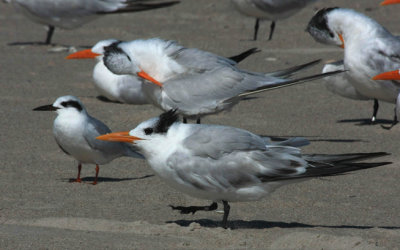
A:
[240,57]
[136,7]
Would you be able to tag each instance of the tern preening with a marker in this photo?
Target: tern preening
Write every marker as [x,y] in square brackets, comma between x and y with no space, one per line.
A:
[272,10]
[71,14]
[75,132]
[226,164]
[369,49]
[194,82]
[123,88]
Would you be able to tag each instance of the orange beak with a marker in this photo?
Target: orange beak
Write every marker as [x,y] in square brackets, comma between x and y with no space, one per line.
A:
[387,2]
[83,54]
[391,75]
[118,137]
[146,76]
[341,39]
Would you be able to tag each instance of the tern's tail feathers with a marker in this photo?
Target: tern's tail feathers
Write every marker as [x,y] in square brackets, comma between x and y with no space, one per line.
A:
[285,73]
[289,82]
[134,6]
[331,165]
[244,55]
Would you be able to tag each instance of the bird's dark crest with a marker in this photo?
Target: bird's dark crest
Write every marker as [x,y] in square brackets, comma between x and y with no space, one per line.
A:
[319,21]
[74,104]
[113,48]
[166,120]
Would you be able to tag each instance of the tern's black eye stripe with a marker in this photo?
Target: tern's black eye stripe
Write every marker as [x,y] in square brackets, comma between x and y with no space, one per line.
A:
[148,131]
[74,104]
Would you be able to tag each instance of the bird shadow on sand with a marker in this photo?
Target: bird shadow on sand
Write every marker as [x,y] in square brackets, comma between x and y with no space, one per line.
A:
[366,122]
[41,43]
[261,224]
[312,138]
[108,179]
[105,99]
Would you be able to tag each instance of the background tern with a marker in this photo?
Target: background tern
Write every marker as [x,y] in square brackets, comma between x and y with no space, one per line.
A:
[226,164]
[123,88]
[369,49]
[70,14]
[195,82]
[271,10]
[75,132]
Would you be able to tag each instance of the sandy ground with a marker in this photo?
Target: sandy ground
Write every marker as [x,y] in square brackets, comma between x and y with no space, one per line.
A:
[40,209]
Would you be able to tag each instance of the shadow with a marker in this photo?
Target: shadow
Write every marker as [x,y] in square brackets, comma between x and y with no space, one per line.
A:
[365,122]
[107,179]
[45,44]
[284,138]
[260,224]
[248,98]
[105,99]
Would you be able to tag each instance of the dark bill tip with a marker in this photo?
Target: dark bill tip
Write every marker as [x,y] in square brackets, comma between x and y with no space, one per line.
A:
[45,108]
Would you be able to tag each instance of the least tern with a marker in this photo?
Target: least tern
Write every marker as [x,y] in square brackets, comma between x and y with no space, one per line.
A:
[226,164]
[75,132]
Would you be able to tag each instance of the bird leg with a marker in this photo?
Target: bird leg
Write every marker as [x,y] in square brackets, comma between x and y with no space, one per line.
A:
[256,26]
[376,107]
[395,121]
[226,213]
[271,31]
[97,174]
[184,120]
[49,34]
[198,121]
[78,179]
[194,209]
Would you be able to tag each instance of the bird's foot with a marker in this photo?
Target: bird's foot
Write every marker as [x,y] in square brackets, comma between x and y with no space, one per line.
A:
[76,180]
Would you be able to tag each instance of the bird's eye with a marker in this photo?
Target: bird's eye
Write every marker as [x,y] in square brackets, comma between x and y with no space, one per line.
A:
[148,131]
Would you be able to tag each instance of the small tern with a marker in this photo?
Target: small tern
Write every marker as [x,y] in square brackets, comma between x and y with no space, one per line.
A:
[123,88]
[75,132]
[226,164]
[195,82]
[71,14]
[369,49]
[271,10]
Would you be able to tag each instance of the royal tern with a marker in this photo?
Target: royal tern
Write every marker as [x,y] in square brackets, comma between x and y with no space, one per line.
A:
[70,14]
[195,82]
[123,88]
[272,10]
[75,132]
[226,164]
[369,49]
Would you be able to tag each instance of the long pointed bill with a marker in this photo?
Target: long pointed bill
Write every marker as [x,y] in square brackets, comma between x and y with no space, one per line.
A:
[83,54]
[341,39]
[391,75]
[119,137]
[45,108]
[146,76]
[387,2]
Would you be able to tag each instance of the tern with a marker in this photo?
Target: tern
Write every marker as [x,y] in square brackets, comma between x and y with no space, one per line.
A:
[195,82]
[71,14]
[75,132]
[123,88]
[226,164]
[271,10]
[369,49]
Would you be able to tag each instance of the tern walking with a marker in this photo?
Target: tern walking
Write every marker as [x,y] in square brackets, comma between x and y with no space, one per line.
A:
[75,132]
[226,164]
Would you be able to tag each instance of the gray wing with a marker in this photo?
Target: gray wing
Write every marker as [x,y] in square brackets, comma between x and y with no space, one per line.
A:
[281,5]
[232,158]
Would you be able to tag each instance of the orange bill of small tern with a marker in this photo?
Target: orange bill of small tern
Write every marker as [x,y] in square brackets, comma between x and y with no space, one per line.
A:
[119,137]
[83,54]
[341,39]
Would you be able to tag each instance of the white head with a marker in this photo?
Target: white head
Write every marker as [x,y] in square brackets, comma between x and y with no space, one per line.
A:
[64,104]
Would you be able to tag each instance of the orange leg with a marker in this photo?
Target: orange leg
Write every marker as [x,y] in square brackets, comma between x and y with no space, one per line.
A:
[78,179]
[97,174]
